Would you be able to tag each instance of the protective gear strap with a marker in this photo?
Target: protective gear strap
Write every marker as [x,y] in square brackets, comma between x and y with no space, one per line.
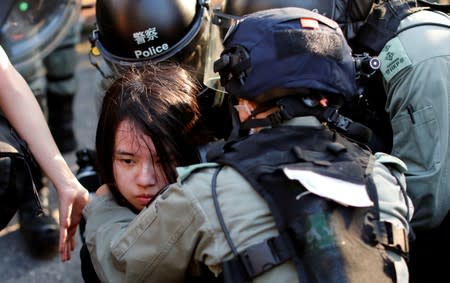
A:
[262,170]
[391,236]
[291,107]
[383,232]
[257,259]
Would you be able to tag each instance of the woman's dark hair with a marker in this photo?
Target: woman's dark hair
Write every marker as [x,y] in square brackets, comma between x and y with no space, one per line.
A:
[160,100]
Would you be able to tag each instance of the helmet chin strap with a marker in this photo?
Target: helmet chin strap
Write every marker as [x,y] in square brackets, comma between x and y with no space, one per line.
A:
[235,121]
[291,107]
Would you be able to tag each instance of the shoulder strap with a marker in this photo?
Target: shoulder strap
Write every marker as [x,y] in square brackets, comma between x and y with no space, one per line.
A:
[256,259]
[390,236]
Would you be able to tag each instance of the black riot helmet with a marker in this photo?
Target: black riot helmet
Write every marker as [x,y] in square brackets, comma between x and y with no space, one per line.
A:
[286,48]
[348,13]
[133,32]
[294,58]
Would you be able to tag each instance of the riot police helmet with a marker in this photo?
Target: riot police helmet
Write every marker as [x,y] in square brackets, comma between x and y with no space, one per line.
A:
[133,32]
[278,52]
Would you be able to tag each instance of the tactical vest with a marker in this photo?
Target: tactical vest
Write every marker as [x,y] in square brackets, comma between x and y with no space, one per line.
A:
[327,241]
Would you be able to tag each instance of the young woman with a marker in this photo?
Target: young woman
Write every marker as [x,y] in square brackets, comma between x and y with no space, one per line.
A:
[145,129]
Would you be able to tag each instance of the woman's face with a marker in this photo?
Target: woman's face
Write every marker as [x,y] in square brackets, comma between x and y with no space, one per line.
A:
[137,171]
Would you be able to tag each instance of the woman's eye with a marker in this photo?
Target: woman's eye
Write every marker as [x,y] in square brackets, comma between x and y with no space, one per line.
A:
[127,161]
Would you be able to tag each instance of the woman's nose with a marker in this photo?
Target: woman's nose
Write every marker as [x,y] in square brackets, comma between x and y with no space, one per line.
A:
[146,175]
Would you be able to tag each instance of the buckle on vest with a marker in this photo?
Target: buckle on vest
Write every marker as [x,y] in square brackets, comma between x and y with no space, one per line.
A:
[339,121]
[259,258]
[392,236]
[276,118]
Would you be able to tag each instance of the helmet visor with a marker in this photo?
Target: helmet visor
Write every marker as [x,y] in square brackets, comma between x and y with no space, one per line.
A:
[219,24]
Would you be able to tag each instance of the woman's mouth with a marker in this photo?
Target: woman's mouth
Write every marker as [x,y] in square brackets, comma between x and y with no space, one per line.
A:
[144,199]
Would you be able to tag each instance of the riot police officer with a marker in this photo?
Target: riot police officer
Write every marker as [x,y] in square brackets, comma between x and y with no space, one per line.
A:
[405,103]
[156,30]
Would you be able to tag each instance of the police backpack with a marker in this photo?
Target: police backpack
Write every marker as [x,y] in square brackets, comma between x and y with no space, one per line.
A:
[327,241]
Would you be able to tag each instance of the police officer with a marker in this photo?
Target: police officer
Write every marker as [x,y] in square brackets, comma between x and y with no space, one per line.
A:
[156,30]
[261,211]
[405,103]
[415,76]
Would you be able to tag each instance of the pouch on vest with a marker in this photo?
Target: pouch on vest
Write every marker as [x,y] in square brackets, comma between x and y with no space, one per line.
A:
[16,181]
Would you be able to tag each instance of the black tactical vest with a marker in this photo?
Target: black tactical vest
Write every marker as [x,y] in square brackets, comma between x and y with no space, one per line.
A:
[326,241]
